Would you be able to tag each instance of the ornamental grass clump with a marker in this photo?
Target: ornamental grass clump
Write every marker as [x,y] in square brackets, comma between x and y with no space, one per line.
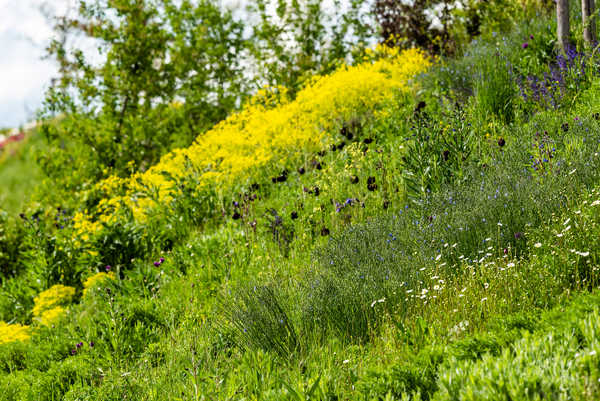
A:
[258,316]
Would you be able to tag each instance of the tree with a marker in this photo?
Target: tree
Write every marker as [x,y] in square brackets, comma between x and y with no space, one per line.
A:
[169,69]
[589,22]
[562,23]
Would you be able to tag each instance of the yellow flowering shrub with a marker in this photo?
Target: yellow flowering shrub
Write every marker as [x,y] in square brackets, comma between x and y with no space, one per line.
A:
[13,332]
[270,131]
[84,227]
[51,316]
[51,298]
[95,280]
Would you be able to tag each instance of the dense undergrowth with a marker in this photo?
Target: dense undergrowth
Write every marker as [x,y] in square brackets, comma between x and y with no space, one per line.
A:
[408,227]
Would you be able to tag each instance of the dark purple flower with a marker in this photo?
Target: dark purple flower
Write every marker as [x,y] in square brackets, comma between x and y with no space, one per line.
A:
[162,260]
[73,351]
[156,264]
[91,344]
[531,37]
[79,345]
[107,268]
[525,45]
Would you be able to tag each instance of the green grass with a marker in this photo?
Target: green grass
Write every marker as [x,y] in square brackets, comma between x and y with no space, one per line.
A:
[19,173]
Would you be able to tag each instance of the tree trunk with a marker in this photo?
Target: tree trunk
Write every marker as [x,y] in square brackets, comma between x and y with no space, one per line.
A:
[589,23]
[562,23]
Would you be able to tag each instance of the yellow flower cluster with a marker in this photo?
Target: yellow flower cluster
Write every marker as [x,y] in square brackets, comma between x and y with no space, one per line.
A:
[51,316]
[84,227]
[13,332]
[271,130]
[93,281]
[48,304]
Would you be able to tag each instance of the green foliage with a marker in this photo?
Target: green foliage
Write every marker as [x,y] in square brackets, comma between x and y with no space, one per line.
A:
[495,92]
[169,70]
[362,290]
[437,152]
[11,246]
[301,39]
[164,78]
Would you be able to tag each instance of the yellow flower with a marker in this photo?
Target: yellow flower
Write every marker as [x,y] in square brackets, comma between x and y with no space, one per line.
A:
[51,316]
[269,132]
[13,332]
[51,298]
[93,281]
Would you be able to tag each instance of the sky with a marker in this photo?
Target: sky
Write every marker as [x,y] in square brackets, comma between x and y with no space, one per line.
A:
[24,75]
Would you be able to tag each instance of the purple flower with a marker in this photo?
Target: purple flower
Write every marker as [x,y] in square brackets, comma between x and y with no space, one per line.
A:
[107,267]
[156,264]
[525,45]
[79,345]
[73,351]
[161,260]
[531,37]
[91,344]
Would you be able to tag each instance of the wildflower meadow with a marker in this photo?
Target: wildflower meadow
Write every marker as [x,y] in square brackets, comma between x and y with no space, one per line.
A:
[307,205]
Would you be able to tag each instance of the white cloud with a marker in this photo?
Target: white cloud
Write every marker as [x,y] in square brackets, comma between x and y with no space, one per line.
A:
[24,34]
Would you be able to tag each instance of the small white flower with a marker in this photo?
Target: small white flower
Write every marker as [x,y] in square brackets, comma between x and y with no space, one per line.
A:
[538,245]
[595,203]
[511,264]
[345,361]
[438,257]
